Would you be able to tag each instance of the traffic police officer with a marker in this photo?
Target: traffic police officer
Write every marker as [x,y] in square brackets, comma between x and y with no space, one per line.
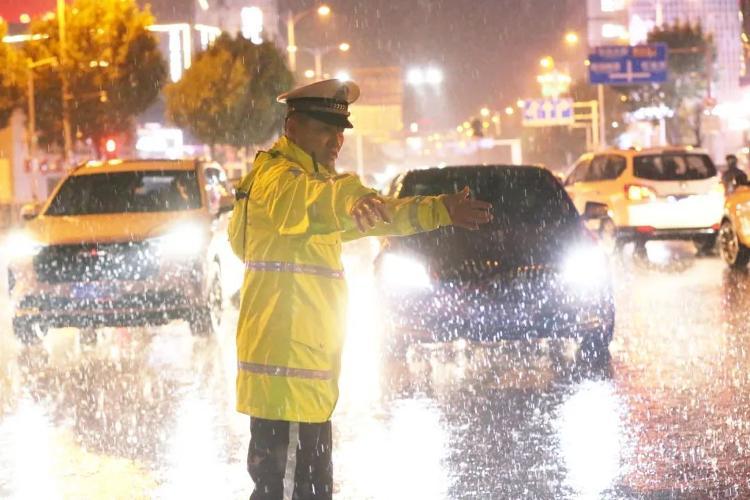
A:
[293,213]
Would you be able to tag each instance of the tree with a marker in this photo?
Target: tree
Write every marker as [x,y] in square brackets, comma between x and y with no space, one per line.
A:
[12,78]
[112,64]
[228,96]
[691,57]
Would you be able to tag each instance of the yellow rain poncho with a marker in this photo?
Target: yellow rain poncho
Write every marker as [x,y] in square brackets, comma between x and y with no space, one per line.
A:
[289,231]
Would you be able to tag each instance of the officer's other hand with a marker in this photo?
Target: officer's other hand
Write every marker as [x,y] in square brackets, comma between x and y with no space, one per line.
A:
[466,212]
[368,211]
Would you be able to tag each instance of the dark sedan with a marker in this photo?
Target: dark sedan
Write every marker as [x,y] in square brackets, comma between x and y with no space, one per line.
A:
[534,272]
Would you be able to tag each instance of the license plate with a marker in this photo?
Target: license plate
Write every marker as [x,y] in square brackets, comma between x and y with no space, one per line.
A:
[93,291]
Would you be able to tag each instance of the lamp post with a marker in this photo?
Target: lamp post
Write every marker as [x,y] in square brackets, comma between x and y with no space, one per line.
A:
[291,20]
[319,52]
[30,66]
[67,140]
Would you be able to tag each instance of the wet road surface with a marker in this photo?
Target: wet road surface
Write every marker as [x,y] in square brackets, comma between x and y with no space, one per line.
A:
[148,413]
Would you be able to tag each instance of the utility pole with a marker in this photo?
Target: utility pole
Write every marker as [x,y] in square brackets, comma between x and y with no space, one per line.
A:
[32,132]
[67,139]
[291,48]
[318,64]
[600,116]
[30,98]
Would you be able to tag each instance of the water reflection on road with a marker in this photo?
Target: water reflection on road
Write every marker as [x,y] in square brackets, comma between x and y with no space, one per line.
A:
[149,412]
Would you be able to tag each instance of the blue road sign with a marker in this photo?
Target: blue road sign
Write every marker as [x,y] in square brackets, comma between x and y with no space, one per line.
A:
[547,112]
[628,65]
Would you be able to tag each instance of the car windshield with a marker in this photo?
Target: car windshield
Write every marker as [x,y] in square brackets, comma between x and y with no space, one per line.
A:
[519,196]
[137,191]
[532,215]
[674,167]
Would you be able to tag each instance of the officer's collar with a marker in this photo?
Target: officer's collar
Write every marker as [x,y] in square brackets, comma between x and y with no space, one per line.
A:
[296,154]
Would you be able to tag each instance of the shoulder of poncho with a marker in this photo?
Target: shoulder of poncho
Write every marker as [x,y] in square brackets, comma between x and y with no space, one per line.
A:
[274,160]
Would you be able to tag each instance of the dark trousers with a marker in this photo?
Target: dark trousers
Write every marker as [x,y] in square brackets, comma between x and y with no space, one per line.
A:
[266,460]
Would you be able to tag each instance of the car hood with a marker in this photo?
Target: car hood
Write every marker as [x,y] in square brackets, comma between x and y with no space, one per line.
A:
[108,228]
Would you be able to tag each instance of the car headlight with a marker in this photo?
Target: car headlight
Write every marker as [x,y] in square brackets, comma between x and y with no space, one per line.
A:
[404,273]
[185,240]
[20,244]
[585,267]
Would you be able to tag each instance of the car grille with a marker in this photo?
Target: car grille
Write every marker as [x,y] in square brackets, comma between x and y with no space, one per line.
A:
[516,284]
[95,261]
[161,300]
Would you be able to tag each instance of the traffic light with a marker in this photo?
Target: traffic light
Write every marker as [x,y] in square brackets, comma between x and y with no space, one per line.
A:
[110,148]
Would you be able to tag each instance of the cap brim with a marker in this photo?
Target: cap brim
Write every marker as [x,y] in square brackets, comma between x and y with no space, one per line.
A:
[329,118]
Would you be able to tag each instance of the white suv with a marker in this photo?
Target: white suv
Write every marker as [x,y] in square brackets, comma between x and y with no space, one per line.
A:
[658,193]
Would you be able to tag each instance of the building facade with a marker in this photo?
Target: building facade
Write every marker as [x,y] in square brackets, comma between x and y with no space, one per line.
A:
[630,21]
[745,39]
[720,18]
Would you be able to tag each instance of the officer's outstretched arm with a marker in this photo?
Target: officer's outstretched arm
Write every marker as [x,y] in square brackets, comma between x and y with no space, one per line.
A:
[410,215]
[425,213]
[299,203]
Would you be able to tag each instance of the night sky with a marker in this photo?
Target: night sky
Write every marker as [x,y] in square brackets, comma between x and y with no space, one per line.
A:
[488,49]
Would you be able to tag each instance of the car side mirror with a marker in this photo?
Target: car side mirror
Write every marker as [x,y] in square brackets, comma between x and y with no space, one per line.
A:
[30,211]
[595,211]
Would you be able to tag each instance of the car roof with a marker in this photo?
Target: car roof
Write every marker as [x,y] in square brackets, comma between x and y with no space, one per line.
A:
[114,166]
[457,169]
[651,150]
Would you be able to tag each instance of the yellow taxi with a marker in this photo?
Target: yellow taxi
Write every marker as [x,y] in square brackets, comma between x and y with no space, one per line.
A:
[124,243]
[734,233]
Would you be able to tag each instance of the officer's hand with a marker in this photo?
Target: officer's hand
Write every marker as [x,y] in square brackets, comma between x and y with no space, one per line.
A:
[466,212]
[368,211]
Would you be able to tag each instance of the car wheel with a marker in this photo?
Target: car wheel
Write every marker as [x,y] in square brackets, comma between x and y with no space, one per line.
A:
[731,249]
[640,254]
[206,320]
[29,332]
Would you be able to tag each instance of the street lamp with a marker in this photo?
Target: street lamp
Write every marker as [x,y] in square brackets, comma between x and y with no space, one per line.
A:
[344,76]
[318,54]
[547,62]
[571,38]
[434,76]
[291,20]
[420,76]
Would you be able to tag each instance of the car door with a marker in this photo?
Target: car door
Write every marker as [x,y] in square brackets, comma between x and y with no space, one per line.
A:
[599,184]
[605,172]
[218,190]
